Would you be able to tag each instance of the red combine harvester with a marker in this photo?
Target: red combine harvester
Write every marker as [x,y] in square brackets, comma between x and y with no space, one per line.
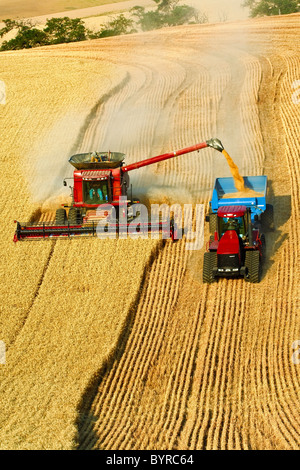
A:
[99,178]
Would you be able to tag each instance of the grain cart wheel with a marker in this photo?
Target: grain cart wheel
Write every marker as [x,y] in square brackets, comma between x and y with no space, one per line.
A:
[209,263]
[75,217]
[60,217]
[253,266]
[268,219]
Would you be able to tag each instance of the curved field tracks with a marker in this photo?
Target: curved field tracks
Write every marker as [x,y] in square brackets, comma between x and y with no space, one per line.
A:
[119,344]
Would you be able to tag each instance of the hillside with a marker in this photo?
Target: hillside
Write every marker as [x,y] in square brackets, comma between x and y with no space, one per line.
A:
[119,344]
[19,9]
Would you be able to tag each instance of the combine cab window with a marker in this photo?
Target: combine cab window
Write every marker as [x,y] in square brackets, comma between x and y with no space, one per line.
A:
[95,192]
[237,221]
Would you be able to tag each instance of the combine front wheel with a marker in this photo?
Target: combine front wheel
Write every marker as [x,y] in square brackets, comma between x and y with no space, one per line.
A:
[60,217]
[75,217]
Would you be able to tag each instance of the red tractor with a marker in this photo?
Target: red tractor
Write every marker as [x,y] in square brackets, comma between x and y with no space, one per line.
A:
[237,243]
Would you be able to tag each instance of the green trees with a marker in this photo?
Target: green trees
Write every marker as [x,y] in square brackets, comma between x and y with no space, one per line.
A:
[117,26]
[59,30]
[167,13]
[9,25]
[181,14]
[147,20]
[56,31]
[65,30]
[26,37]
[271,7]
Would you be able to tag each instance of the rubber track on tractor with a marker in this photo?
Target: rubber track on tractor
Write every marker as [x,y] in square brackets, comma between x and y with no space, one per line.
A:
[253,266]
[209,263]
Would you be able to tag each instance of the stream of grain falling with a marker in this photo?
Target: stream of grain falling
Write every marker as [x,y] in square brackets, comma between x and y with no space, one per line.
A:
[238,179]
[239,182]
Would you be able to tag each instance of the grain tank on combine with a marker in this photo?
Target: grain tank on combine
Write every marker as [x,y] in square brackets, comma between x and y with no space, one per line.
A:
[100,179]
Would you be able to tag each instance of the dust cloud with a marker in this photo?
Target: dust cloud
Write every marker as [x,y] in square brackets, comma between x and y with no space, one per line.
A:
[50,155]
[131,121]
[153,190]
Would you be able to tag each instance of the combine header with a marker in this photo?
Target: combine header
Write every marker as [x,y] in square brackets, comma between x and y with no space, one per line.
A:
[99,178]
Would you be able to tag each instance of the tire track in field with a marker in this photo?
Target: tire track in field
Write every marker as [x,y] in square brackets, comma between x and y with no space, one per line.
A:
[193,122]
[89,127]
[36,292]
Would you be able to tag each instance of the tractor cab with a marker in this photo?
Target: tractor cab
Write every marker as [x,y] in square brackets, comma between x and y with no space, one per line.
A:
[232,218]
[232,228]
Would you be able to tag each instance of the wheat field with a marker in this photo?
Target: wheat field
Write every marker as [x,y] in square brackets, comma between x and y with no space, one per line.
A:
[117,344]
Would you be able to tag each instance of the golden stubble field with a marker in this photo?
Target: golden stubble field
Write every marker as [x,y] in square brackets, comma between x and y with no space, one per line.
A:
[118,344]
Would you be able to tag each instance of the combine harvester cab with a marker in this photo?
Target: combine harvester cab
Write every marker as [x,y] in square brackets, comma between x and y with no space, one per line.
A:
[237,223]
[97,181]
